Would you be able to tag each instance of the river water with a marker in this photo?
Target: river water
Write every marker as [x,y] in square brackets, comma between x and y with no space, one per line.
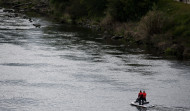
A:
[69,68]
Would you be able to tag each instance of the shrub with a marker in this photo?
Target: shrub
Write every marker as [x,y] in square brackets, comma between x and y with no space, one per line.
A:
[170,51]
[76,9]
[129,10]
[94,7]
[154,22]
[58,6]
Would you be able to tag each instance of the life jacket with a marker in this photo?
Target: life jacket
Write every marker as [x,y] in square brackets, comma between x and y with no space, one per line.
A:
[140,95]
[144,95]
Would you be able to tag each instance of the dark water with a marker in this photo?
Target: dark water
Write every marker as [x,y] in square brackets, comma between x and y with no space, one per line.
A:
[69,68]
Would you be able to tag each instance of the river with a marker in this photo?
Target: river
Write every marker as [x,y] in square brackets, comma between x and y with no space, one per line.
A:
[70,68]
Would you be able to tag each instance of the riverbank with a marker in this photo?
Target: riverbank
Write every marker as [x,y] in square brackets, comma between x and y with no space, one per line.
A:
[29,7]
[164,30]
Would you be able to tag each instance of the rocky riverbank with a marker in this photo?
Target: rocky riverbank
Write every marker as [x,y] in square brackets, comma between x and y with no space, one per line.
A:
[40,7]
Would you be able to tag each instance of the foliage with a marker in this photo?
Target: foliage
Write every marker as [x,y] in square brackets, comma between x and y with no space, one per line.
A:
[80,8]
[155,22]
[157,17]
[120,10]
[76,9]
[95,7]
[125,10]
[59,5]
[180,13]
[170,51]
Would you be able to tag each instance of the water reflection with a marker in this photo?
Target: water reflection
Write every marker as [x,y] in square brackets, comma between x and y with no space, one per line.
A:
[141,109]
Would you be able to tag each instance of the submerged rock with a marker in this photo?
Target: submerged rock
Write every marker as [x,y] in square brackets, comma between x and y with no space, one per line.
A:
[16,15]
[106,36]
[30,20]
[8,10]
[37,25]
[25,17]
[117,37]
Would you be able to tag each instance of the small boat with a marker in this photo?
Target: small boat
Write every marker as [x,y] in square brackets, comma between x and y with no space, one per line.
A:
[145,105]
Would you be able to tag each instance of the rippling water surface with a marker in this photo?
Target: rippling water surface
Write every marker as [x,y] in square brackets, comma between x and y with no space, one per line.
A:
[68,68]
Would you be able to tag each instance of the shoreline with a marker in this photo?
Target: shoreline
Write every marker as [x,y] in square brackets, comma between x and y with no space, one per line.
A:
[130,32]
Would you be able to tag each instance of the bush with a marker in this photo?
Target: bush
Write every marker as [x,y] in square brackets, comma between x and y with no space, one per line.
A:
[155,22]
[80,8]
[95,7]
[170,51]
[58,6]
[76,9]
[129,10]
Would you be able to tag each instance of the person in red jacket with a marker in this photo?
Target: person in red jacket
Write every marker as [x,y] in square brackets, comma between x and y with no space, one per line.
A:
[140,96]
[143,97]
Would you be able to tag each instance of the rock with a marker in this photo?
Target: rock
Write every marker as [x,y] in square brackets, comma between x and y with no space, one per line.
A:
[8,10]
[106,36]
[16,14]
[21,11]
[25,17]
[37,25]
[16,11]
[139,42]
[11,15]
[117,37]
[30,20]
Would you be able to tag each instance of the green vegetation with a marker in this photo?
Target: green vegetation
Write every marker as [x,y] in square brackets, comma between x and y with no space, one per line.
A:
[129,10]
[163,25]
[120,10]
[179,14]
